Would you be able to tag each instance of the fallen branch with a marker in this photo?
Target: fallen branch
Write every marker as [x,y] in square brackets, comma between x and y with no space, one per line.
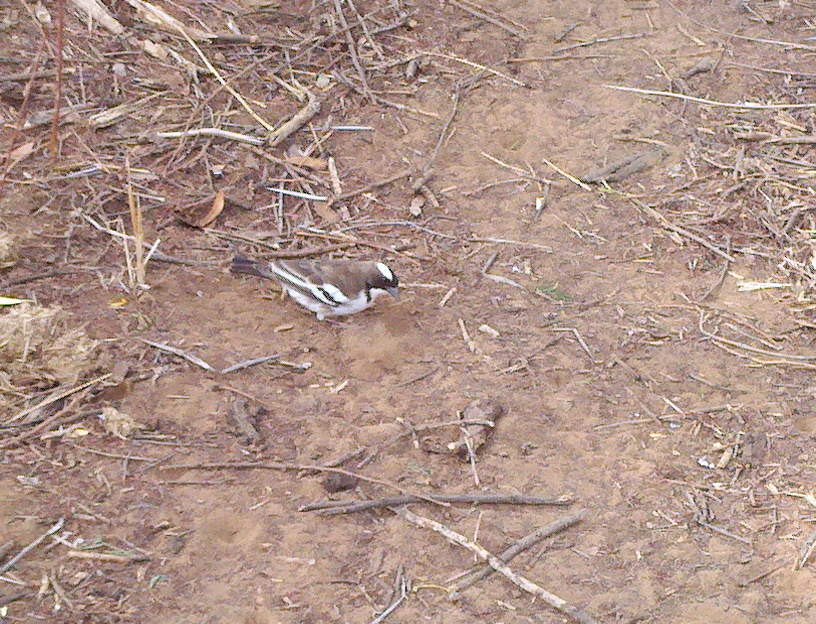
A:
[330,508]
[297,121]
[182,354]
[579,615]
[520,546]
[284,467]
[11,562]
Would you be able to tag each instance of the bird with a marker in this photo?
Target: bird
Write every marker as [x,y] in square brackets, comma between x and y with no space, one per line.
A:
[326,286]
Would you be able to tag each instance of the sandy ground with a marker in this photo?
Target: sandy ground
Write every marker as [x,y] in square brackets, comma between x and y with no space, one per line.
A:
[618,352]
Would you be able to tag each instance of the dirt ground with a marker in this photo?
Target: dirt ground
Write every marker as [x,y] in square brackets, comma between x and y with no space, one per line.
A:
[649,338]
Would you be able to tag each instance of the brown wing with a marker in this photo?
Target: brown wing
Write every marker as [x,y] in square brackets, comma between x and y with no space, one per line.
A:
[342,273]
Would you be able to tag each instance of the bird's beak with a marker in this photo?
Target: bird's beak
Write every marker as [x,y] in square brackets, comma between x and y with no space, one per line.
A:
[394,292]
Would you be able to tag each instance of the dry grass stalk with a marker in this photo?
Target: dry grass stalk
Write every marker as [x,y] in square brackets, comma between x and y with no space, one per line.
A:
[690,98]
[138,235]
[41,343]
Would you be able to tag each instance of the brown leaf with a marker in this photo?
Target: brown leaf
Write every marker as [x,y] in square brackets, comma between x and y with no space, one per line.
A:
[21,151]
[316,164]
[202,221]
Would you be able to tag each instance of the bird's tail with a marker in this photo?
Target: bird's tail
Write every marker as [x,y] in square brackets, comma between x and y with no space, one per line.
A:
[241,264]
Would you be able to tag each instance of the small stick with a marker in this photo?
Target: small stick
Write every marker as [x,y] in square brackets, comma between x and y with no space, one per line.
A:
[286,467]
[244,104]
[248,363]
[566,31]
[183,354]
[466,336]
[569,177]
[97,556]
[55,122]
[761,576]
[370,187]
[453,423]
[689,98]
[242,393]
[10,563]
[343,507]
[355,241]
[410,224]
[46,73]
[480,13]
[722,531]
[114,455]
[580,340]
[519,547]
[404,586]
[9,598]
[56,397]
[212,132]
[337,188]
[586,44]
[282,191]
[498,278]
[505,241]
[465,61]
[471,451]
[60,592]
[663,221]
[419,377]
[156,255]
[447,297]
[549,59]
[134,203]
[371,41]
[742,345]
[443,135]
[524,173]
[783,72]
[297,121]
[561,605]
[491,185]
[806,551]
[352,48]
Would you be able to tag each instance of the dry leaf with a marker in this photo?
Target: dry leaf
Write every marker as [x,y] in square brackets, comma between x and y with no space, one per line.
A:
[316,164]
[118,423]
[211,215]
[156,50]
[21,151]
[416,205]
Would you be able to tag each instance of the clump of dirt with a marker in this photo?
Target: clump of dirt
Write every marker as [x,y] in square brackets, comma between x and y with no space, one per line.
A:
[42,343]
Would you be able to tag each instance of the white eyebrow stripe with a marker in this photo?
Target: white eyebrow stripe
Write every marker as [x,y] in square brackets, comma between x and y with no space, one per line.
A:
[385,271]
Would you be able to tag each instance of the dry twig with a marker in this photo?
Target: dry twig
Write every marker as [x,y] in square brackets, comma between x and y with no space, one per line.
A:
[344,507]
[285,467]
[517,548]
[577,614]
[689,98]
